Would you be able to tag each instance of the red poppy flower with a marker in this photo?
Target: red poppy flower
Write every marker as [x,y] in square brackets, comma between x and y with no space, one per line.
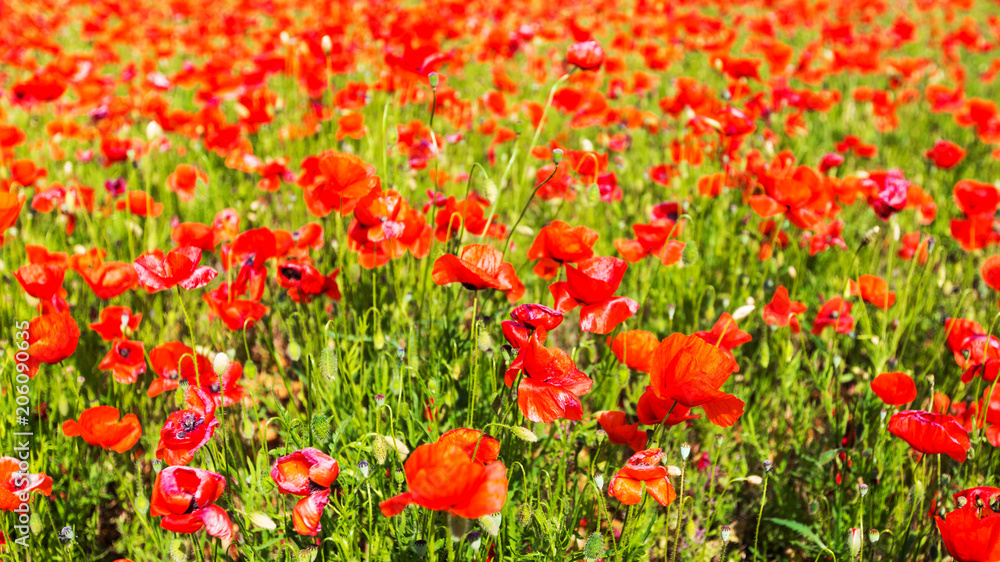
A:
[782,311]
[472,213]
[586,55]
[166,360]
[10,207]
[834,312]
[873,290]
[16,487]
[559,243]
[223,388]
[250,251]
[526,319]
[139,203]
[51,339]
[478,267]
[272,172]
[304,281]
[385,227]
[114,321]
[635,348]
[126,359]
[179,267]
[621,432]
[186,431]
[551,384]
[990,271]
[653,410]
[827,235]
[690,371]
[643,470]
[236,314]
[185,179]
[931,433]
[42,281]
[945,154]
[107,279]
[351,125]
[100,426]
[185,496]
[592,284]
[340,180]
[912,246]
[308,472]
[725,334]
[480,447]
[971,532]
[895,389]
[441,477]
[653,239]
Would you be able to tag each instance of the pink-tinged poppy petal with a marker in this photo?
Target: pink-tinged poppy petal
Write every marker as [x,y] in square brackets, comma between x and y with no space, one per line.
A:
[604,317]
[201,277]
[217,522]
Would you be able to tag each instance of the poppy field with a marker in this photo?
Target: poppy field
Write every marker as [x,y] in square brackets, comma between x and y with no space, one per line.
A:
[463,280]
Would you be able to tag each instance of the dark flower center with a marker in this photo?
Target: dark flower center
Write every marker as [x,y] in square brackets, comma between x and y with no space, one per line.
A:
[291,273]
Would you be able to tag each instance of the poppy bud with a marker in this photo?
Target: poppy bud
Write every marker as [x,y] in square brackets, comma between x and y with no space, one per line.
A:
[685,450]
[725,531]
[873,535]
[294,351]
[593,549]
[176,549]
[490,190]
[261,520]
[557,156]
[524,434]
[379,449]
[153,130]
[250,370]
[433,79]
[246,430]
[491,524]
[854,542]
[869,237]
[458,526]
[483,339]
[671,309]
[320,427]
[399,476]
[220,363]
[326,44]
[743,311]
[379,340]
[523,515]
[420,548]
[328,364]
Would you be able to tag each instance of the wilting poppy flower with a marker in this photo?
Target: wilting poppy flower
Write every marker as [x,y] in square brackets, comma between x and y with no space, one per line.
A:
[971,532]
[895,389]
[621,432]
[16,487]
[642,470]
[690,371]
[834,312]
[441,477]
[592,285]
[478,267]
[114,321]
[560,243]
[139,203]
[585,55]
[179,267]
[185,179]
[873,290]
[945,154]
[186,431]
[310,473]
[551,384]
[635,348]
[653,410]
[480,447]
[725,334]
[51,339]
[186,497]
[526,319]
[126,359]
[100,426]
[931,433]
[782,311]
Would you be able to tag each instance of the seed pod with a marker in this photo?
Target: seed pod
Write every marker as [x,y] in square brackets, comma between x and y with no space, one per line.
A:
[419,548]
[873,535]
[379,449]
[491,524]
[176,549]
[523,516]
[483,339]
[725,531]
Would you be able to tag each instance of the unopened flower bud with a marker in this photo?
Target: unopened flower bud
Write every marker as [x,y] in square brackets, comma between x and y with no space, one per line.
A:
[220,363]
[524,434]
[854,541]
[599,481]
[433,79]
[593,549]
[557,156]
[863,488]
[873,535]
[363,466]
[326,44]
[685,450]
